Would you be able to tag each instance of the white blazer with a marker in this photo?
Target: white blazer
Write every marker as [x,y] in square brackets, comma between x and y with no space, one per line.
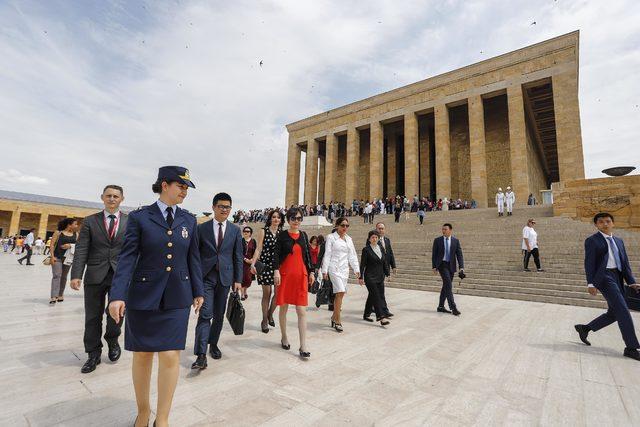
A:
[339,255]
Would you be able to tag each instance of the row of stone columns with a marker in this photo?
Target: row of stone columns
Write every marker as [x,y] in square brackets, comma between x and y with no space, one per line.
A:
[566,107]
[14,224]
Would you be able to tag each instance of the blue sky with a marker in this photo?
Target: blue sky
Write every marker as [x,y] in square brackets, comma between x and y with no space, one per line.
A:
[97,92]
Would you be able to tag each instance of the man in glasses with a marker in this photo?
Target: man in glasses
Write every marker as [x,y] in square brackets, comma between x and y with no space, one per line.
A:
[222,257]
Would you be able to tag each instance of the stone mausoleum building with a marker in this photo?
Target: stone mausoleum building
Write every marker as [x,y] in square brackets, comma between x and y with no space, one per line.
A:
[509,120]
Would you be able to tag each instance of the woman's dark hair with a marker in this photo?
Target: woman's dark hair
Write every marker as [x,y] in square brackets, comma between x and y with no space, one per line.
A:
[245,228]
[293,212]
[602,215]
[314,238]
[65,222]
[157,186]
[340,220]
[270,215]
[320,240]
[373,233]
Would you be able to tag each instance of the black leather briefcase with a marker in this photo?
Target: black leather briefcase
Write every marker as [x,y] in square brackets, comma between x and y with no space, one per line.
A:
[632,297]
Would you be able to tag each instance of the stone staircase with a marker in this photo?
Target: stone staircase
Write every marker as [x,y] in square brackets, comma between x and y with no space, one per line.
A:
[493,259]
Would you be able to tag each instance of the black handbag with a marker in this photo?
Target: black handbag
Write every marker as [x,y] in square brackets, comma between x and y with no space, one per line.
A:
[315,287]
[235,313]
[259,266]
[324,293]
[632,297]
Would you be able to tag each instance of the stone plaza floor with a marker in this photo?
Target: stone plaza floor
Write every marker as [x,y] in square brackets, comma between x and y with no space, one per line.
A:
[501,362]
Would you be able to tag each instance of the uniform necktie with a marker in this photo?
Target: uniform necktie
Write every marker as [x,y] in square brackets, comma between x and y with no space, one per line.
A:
[112,226]
[220,236]
[169,216]
[616,253]
[446,249]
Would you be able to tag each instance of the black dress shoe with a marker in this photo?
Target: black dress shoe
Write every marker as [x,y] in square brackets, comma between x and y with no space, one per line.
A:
[90,364]
[216,353]
[583,332]
[304,354]
[632,353]
[30,263]
[389,314]
[20,261]
[455,312]
[443,310]
[200,363]
[114,352]
[367,318]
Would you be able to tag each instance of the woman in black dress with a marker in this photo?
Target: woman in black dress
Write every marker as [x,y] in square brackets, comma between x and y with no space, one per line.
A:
[264,253]
[157,279]
[65,237]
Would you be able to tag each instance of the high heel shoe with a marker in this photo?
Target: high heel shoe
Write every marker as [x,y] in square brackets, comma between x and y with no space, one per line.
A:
[304,354]
[264,327]
[337,326]
[271,322]
[147,425]
[285,346]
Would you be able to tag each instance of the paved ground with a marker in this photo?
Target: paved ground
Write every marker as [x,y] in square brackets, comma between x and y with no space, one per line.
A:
[501,363]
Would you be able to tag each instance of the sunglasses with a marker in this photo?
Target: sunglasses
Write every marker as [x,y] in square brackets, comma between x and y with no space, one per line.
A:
[344,225]
[296,218]
[246,231]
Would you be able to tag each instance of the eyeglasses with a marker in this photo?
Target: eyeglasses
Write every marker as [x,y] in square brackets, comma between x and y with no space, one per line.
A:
[344,225]
[224,207]
[246,231]
[296,218]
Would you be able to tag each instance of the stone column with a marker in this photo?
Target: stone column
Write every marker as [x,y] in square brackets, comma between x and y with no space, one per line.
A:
[375,160]
[14,226]
[477,151]
[321,179]
[353,164]
[293,174]
[42,227]
[311,173]
[568,133]
[443,152]
[331,167]
[518,145]
[411,156]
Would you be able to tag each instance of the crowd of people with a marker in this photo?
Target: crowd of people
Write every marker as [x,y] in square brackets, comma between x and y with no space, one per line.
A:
[20,244]
[149,267]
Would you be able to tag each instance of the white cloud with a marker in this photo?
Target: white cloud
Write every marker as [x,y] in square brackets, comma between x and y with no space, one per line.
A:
[106,94]
[13,176]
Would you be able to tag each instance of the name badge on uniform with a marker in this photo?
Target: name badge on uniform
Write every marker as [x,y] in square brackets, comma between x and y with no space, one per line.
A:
[185,233]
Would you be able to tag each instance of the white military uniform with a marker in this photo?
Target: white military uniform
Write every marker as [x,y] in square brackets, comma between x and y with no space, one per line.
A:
[500,202]
[510,199]
[339,254]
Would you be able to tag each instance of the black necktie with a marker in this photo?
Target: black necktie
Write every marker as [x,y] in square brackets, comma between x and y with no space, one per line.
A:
[220,236]
[112,226]
[169,216]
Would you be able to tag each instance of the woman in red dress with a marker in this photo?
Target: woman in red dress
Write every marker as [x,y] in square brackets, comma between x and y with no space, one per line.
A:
[293,273]
[249,246]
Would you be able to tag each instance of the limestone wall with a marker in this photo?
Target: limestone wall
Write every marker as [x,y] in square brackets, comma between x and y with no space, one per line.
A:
[341,175]
[424,142]
[537,177]
[581,199]
[363,176]
[460,153]
[496,125]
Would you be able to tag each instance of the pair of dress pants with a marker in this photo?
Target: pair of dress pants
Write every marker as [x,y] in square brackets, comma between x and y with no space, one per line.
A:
[447,286]
[375,301]
[28,255]
[618,311]
[211,317]
[536,257]
[94,310]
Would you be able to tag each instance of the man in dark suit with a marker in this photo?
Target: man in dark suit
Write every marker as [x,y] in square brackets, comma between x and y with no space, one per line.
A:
[97,249]
[607,268]
[446,251]
[222,258]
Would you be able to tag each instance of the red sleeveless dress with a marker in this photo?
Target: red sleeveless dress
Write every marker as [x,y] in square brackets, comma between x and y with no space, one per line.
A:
[293,278]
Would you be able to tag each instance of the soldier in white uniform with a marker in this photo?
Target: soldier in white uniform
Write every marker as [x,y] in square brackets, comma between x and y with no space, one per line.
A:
[500,202]
[510,198]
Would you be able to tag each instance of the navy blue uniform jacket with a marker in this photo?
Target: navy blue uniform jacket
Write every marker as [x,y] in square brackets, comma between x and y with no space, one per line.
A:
[158,261]
[596,255]
[229,258]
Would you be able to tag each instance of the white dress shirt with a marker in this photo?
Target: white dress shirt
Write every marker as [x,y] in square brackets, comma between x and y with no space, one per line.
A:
[377,250]
[611,260]
[29,239]
[216,228]
[163,208]
[107,220]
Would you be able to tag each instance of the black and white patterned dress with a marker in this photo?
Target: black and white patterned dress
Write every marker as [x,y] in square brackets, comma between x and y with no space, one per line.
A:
[266,257]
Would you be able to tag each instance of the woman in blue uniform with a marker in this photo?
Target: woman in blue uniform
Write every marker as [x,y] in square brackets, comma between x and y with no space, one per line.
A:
[157,278]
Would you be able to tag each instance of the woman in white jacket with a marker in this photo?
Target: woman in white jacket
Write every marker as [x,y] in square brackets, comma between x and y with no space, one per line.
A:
[339,255]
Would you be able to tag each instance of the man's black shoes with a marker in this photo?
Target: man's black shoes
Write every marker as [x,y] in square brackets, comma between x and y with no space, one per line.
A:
[114,352]
[367,318]
[443,310]
[200,363]
[455,312]
[216,353]
[20,261]
[389,314]
[90,364]
[583,332]
[632,353]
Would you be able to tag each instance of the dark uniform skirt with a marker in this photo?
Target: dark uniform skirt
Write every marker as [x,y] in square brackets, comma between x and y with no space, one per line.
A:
[156,330]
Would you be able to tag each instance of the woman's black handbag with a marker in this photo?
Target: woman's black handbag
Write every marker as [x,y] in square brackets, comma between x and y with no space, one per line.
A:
[259,265]
[235,313]
[315,287]
[324,293]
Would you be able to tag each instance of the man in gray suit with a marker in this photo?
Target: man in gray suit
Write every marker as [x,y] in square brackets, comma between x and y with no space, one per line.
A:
[221,258]
[97,249]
